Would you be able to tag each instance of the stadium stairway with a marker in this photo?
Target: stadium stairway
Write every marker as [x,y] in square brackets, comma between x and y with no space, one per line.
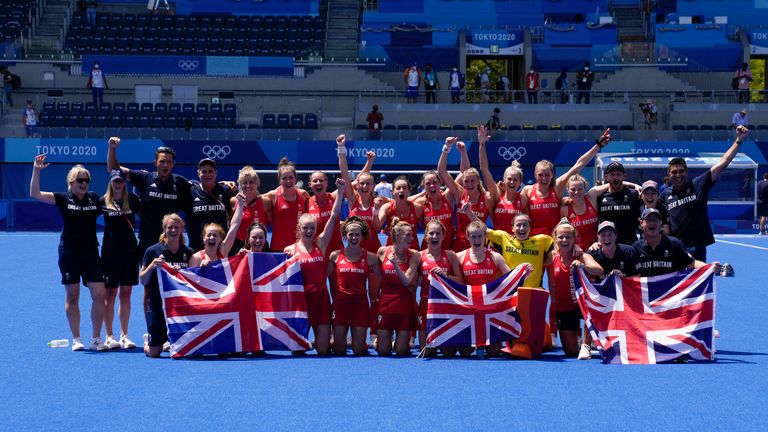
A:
[48,35]
[645,79]
[343,32]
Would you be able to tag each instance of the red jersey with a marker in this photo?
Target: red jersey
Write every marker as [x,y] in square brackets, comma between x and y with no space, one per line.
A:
[285,219]
[395,298]
[251,213]
[352,276]
[545,212]
[585,224]
[411,219]
[479,273]
[322,214]
[218,255]
[565,296]
[445,215]
[371,244]
[426,266]
[479,209]
[312,268]
[505,212]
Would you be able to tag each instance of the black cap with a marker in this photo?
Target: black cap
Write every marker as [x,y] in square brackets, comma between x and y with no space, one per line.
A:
[206,161]
[116,174]
[614,166]
[606,224]
[650,211]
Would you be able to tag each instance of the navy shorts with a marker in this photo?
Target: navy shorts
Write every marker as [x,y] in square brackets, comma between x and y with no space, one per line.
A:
[569,320]
[80,264]
[120,270]
[158,332]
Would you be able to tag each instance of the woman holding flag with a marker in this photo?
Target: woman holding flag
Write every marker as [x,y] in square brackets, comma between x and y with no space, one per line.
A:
[256,239]
[435,258]
[218,245]
[309,250]
[349,271]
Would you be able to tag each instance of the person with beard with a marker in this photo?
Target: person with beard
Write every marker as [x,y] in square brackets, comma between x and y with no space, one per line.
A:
[435,258]
[620,204]
[402,209]
[687,199]
[257,207]
[360,196]
[350,271]
[217,244]
[310,250]
[438,206]
[209,202]
[288,203]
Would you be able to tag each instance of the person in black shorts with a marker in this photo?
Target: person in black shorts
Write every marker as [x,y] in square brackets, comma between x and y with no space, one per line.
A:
[119,255]
[613,257]
[687,199]
[659,253]
[78,247]
[620,204]
[171,250]
[762,203]
[209,203]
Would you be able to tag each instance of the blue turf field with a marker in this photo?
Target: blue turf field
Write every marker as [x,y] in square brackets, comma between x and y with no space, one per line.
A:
[55,389]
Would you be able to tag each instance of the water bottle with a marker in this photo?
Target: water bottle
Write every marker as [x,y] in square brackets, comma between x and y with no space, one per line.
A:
[59,343]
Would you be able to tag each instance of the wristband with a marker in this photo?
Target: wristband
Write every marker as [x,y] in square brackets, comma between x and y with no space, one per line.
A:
[446,149]
[341,150]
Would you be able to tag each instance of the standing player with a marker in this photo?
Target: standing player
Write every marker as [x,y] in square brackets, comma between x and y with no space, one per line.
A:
[762,204]
[435,258]
[581,211]
[119,255]
[78,248]
[288,204]
[510,203]
[350,270]
[309,250]
[320,205]
[396,311]
[438,206]
[172,250]
[620,204]
[542,200]
[360,199]
[257,207]
[217,244]
[209,202]
[402,209]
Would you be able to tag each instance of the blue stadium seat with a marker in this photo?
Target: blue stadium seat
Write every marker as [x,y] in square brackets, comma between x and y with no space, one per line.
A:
[129,120]
[72,120]
[216,109]
[101,120]
[214,122]
[172,120]
[132,108]
[310,121]
[116,119]
[361,127]
[403,127]
[62,108]
[202,109]
[157,120]
[76,107]
[187,110]
[297,121]
[283,121]
[228,121]
[161,108]
[198,122]
[174,108]
[142,121]
[146,109]
[49,107]
[268,121]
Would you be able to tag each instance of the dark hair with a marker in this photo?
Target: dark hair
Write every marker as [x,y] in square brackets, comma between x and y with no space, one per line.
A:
[497,110]
[354,220]
[765,176]
[166,150]
[253,225]
[677,161]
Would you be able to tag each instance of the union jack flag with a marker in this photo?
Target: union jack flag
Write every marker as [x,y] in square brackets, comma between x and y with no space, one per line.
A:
[473,315]
[650,319]
[248,302]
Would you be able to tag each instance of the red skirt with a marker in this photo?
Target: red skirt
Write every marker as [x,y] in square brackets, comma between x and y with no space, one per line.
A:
[396,321]
[421,317]
[351,311]
[318,307]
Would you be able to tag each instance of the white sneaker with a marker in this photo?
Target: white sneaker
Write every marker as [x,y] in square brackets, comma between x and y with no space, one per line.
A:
[77,344]
[126,343]
[585,353]
[97,345]
[111,343]
[167,347]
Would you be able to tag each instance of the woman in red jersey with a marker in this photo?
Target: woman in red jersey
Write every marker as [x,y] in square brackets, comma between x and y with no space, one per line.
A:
[438,206]
[256,241]
[360,199]
[309,250]
[480,265]
[510,202]
[542,199]
[435,258]
[471,190]
[257,207]
[396,308]
[288,204]
[581,210]
[567,310]
[217,244]
[402,209]
[350,270]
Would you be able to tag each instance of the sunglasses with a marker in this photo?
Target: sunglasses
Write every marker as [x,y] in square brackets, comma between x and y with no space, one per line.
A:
[165,149]
[83,180]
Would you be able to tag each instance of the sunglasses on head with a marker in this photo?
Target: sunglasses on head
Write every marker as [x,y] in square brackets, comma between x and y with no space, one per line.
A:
[83,180]
[165,149]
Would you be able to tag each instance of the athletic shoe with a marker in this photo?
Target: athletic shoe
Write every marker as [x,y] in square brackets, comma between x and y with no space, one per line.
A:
[111,343]
[585,353]
[126,343]
[77,344]
[167,347]
[97,345]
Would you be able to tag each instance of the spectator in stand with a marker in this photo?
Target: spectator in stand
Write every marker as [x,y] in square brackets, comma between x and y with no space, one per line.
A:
[494,123]
[7,85]
[762,203]
[485,85]
[384,188]
[740,119]
[743,79]
[374,118]
[561,85]
[412,80]
[458,81]
[532,85]
[97,82]
[584,80]
[431,83]
[651,114]
[506,87]
[29,116]
[90,12]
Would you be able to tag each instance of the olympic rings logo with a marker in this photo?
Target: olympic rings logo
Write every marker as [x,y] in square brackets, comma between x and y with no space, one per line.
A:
[217,152]
[188,65]
[509,153]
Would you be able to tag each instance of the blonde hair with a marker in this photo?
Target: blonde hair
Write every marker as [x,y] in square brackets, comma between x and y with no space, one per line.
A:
[304,218]
[109,199]
[74,172]
[476,224]
[545,164]
[514,169]
[437,223]
[216,226]
[398,227]
[172,217]
[567,225]
[428,173]
[354,220]
[247,172]
[578,178]
[474,172]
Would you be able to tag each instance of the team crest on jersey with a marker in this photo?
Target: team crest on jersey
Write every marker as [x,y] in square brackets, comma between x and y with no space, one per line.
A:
[666,253]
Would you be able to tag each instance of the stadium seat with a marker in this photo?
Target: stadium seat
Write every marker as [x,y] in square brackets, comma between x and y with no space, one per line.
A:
[132,108]
[268,121]
[283,121]
[310,121]
[297,121]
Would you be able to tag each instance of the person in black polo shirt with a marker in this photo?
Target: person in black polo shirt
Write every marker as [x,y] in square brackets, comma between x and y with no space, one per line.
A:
[649,195]
[620,204]
[171,250]
[209,203]
[659,253]
[78,247]
[161,192]
[613,257]
[687,199]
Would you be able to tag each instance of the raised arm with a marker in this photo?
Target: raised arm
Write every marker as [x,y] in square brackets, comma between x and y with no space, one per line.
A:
[442,169]
[325,237]
[603,141]
[463,163]
[490,183]
[741,134]
[34,184]
[112,163]
[234,225]
[344,168]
